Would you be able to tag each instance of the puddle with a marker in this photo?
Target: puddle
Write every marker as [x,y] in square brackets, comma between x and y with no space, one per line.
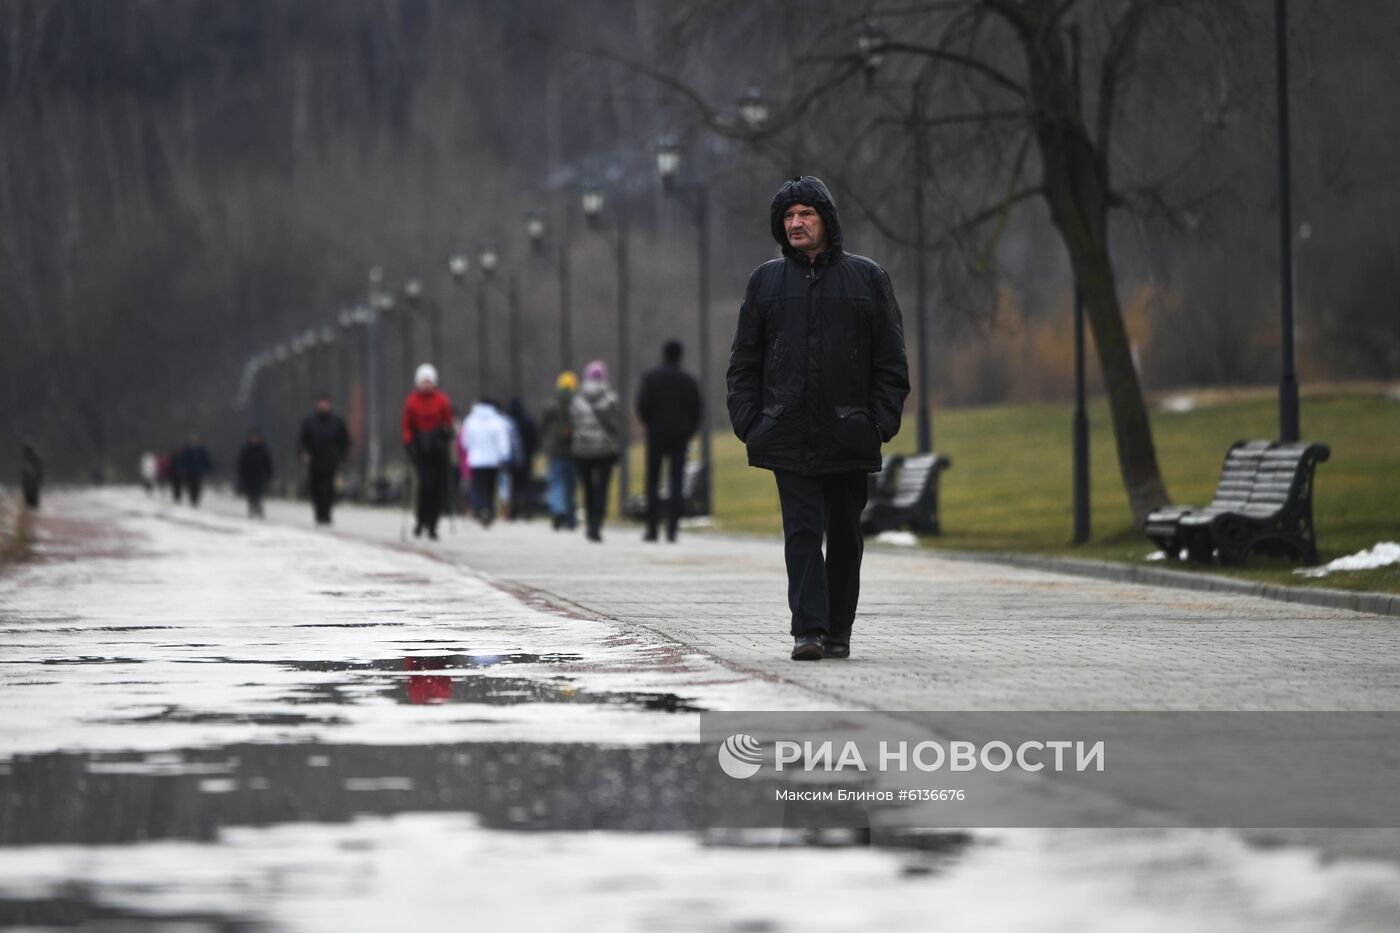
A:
[64,798]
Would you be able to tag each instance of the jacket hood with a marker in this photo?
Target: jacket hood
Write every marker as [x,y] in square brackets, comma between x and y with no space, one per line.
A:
[805,189]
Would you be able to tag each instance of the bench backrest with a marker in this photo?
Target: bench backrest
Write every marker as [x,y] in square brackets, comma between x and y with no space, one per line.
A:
[1261,477]
[1285,474]
[913,479]
[1238,473]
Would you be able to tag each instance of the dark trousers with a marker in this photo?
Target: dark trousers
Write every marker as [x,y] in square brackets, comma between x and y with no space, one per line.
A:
[485,482]
[322,484]
[674,454]
[255,501]
[521,505]
[196,488]
[432,489]
[594,473]
[822,592]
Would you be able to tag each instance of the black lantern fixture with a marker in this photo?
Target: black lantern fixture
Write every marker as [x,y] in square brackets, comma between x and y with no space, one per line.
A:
[753,109]
[869,43]
[535,227]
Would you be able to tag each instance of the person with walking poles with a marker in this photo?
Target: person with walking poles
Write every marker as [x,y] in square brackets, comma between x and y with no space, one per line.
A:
[489,444]
[254,472]
[816,382]
[427,439]
[595,417]
[324,443]
[556,435]
[669,407]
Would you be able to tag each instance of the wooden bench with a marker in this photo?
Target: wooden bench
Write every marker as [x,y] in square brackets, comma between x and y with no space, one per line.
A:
[904,494]
[1262,503]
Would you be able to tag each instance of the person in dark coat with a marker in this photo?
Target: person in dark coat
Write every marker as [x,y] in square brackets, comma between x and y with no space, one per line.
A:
[254,472]
[522,465]
[31,475]
[817,380]
[177,479]
[323,443]
[668,405]
[193,465]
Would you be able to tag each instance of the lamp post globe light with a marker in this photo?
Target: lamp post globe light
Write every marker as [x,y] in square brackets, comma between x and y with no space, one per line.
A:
[592,202]
[535,227]
[457,265]
[488,258]
[668,160]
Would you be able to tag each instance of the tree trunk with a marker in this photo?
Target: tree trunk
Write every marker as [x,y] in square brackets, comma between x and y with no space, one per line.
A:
[1076,185]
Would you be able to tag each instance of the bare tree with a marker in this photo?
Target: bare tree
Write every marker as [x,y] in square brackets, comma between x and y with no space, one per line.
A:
[995,119]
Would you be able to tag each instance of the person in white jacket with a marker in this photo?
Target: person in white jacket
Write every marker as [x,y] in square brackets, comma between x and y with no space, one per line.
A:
[487,437]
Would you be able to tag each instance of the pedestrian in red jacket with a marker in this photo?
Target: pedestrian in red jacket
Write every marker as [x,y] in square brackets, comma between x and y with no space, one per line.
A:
[427,438]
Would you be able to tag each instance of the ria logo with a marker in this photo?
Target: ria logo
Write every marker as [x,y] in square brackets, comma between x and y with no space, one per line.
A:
[740,756]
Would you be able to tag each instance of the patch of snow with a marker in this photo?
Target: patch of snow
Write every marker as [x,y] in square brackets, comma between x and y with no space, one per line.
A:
[898,538]
[1382,555]
[1179,404]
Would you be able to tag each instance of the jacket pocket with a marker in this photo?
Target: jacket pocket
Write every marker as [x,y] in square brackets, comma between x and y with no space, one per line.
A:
[764,425]
[855,434]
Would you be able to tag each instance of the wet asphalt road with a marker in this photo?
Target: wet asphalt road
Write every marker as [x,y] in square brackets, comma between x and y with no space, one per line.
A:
[211,724]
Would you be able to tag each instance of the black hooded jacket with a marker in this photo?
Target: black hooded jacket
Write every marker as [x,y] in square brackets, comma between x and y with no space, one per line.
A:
[817,371]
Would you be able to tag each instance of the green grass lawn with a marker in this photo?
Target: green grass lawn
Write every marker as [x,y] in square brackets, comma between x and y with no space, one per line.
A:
[1009,487]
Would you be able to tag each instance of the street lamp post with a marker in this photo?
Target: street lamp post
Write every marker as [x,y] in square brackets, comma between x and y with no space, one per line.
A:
[488,259]
[869,44]
[535,229]
[1288,382]
[593,210]
[696,196]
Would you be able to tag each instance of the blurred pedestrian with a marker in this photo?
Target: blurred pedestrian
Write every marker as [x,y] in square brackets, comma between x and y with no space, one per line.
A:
[194,465]
[323,443]
[668,404]
[817,380]
[596,444]
[526,439]
[489,444]
[427,439]
[150,471]
[177,480]
[556,435]
[31,474]
[254,472]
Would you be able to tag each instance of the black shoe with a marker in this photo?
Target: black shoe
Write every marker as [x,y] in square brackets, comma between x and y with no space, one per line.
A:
[836,647]
[418,530]
[432,534]
[649,536]
[807,647]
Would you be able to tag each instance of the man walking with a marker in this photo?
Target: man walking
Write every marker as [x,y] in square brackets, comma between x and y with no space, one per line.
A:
[817,380]
[668,404]
[254,472]
[193,465]
[324,444]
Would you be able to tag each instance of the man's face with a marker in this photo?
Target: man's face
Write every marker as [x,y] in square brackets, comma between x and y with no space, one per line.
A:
[803,226]
[323,404]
